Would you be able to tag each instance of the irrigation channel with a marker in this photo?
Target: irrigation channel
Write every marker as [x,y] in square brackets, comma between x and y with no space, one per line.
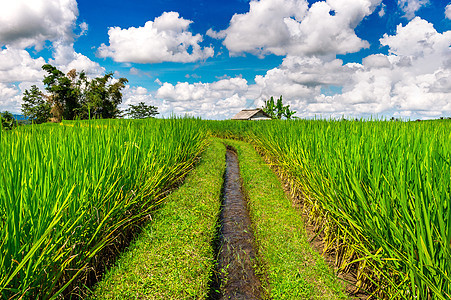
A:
[236,254]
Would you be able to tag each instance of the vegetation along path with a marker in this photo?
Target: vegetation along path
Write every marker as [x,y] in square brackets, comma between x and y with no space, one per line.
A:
[174,258]
[261,247]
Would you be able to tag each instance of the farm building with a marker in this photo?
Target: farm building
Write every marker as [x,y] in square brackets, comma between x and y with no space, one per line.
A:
[252,114]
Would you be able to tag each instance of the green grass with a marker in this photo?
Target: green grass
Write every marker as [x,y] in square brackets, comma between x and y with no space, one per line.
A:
[173,258]
[67,191]
[385,187]
[382,189]
[294,270]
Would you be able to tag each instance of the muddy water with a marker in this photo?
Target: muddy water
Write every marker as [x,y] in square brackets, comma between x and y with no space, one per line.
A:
[237,249]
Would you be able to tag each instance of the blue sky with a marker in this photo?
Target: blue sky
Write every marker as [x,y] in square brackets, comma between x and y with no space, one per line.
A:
[331,58]
[204,14]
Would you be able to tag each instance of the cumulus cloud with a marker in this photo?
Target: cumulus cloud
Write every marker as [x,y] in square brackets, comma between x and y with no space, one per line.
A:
[236,101]
[412,81]
[17,65]
[10,98]
[263,27]
[420,41]
[376,61]
[165,39]
[135,95]
[290,27]
[65,58]
[448,11]
[300,79]
[32,23]
[210,100]
[410,7]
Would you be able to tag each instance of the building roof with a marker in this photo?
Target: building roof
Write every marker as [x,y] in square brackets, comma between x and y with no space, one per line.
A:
[247,114]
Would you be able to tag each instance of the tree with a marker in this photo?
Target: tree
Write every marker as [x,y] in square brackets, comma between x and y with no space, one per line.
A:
[103,96]
[270,108]
[75,96]
[7,120]
[79,84]
[141,111]
[63,94]
[35,106]
[277,110]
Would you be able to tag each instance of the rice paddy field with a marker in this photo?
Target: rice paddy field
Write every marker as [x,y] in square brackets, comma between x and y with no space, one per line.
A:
[378,192]
[67,191]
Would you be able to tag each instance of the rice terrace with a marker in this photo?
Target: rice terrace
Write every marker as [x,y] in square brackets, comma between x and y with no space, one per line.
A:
[240,149]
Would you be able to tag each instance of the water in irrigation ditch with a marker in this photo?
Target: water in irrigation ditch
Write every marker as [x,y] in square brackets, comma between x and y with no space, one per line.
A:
[236,251]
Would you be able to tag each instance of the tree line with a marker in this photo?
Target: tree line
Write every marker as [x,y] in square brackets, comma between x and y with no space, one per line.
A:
[74,96]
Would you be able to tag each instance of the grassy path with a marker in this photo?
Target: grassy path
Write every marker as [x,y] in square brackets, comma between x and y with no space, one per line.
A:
[173,258]
[294,270]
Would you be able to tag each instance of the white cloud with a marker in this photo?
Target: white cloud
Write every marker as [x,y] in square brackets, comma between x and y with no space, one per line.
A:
[412,81]
[448,11]
[290,27]
[410,7]
[216,35]
[135,95]
[376,61]
[300,79]
[65,58]
[235,101]
[381,12]
[165,39]
[83,29]
[7,91]
[10,98]
[262,29]
[17,65]
[214,100]
[183,91]
[31,23]
[420,41]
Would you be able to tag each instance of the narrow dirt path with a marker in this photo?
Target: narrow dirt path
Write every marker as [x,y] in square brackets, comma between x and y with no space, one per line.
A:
[237,246]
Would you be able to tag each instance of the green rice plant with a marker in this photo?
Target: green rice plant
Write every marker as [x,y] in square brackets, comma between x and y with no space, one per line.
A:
[386,186]
[67,191]
[381,188]
[173,257]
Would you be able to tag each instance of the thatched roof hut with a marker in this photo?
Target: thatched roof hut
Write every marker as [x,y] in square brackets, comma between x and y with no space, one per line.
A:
[252,114]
